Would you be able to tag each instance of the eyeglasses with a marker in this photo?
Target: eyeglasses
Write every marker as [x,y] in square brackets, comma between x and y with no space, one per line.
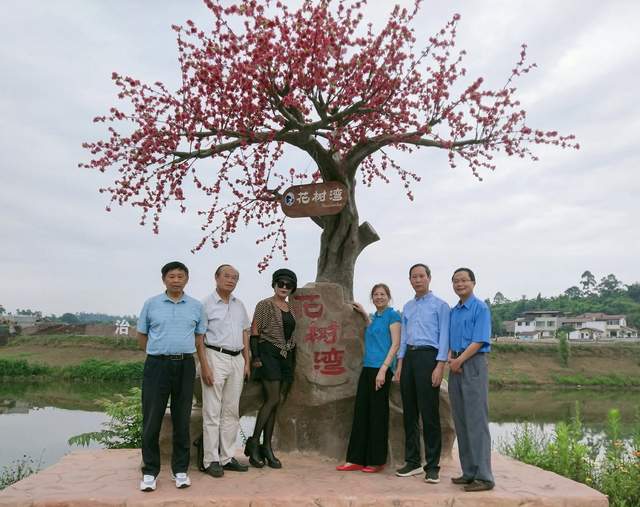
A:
[284,285]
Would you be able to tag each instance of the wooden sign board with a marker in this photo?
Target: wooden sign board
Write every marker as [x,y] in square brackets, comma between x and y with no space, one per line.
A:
[314,200]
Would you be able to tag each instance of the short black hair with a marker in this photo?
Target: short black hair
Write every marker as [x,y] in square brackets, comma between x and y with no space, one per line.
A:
[420,265]
[469,272]
[173,265]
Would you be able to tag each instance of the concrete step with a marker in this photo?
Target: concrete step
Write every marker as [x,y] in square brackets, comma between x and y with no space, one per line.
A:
[110,478]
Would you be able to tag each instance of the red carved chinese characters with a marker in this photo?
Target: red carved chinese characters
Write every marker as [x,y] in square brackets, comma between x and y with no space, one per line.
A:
[325,362]
[328,334]
[310,307]
[329,362]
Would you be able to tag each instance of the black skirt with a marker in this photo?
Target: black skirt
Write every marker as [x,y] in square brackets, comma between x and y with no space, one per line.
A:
[274,365]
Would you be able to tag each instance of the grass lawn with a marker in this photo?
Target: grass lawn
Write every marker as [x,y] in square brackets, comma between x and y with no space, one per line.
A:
[61,350]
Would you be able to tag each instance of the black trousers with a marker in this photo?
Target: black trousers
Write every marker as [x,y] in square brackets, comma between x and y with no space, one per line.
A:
[163,378]
[370,429]
[420,399]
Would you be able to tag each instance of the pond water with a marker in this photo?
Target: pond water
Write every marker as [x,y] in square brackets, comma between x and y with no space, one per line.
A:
[37,420]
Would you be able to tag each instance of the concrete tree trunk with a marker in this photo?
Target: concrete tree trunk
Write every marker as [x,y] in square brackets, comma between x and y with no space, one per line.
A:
[343,239]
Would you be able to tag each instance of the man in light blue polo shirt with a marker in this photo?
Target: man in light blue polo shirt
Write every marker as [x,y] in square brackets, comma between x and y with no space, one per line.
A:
[470,341]
[424,344]
[167,329]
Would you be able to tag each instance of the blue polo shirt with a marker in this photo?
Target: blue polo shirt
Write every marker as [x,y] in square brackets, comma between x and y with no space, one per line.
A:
[171,326]
[377,337]
[470,322]
[425,322]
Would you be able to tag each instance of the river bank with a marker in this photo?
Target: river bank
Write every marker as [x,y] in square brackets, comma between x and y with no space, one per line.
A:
[511,365]
[608,365]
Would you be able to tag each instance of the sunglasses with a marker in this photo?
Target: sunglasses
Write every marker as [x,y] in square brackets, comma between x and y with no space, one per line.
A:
[284,285]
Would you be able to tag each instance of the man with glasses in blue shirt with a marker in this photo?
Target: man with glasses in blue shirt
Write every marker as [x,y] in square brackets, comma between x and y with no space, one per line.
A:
[424,345]
[470,341]
[168,326]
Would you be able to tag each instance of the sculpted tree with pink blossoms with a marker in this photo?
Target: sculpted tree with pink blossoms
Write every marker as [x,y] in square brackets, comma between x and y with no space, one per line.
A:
[265,77]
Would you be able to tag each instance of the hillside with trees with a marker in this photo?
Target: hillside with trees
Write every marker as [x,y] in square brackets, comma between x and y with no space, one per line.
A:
[610,295]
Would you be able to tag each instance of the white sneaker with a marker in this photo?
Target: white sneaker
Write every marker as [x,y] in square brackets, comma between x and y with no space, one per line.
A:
[182,480]
[148,483]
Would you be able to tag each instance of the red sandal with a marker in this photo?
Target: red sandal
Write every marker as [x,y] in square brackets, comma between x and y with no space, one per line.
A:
[349,467]
[373,469]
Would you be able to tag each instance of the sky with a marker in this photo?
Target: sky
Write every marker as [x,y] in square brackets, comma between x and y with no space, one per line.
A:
[528,227]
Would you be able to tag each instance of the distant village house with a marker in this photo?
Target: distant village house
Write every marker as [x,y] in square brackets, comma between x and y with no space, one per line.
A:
[597,326]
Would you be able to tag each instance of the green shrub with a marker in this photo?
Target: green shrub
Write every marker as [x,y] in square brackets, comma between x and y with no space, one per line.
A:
[619,476]
[21,368]
[90,370]
[105,371]
[563,348]
[616,473]
[124,430]
[526,445]
[17,470]
[609,380]
[528,347]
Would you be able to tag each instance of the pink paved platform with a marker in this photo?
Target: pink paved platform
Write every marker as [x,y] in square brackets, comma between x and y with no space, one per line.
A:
[110,478]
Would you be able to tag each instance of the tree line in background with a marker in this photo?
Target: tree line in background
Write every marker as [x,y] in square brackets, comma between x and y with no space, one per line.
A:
[73,318]
[610,295]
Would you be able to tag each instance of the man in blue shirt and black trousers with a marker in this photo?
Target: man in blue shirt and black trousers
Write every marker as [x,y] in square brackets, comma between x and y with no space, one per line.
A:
[167,329]
[424,345]
[470,341]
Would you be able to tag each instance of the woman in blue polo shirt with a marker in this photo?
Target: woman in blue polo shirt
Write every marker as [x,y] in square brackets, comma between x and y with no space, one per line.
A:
[367,449]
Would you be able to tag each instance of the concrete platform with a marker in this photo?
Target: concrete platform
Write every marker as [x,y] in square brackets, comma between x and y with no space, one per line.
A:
[110,478]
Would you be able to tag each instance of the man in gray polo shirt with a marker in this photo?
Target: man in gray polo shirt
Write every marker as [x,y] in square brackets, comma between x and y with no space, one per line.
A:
[224,363]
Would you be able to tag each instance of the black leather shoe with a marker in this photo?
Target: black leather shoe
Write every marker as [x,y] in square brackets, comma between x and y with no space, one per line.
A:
[461,480]
[235,466]
[214,470]
[478,485]
[268,456]
[252,450]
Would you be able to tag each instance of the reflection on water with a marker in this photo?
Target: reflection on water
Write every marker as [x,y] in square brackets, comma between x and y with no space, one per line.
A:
[502,433]
[70,395]
[540,406]
[38,419]
[42,433]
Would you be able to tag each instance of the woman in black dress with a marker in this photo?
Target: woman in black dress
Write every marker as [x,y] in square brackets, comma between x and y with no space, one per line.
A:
[273,360]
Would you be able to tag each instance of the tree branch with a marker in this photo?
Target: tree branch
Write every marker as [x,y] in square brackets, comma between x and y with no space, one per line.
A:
[370,146]
[367,235]
[319,221]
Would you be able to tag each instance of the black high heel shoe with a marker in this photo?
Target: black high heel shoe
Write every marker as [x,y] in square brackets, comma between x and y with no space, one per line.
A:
[270,459]
[252,450]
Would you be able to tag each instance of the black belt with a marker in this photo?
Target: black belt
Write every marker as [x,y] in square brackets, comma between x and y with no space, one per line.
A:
[224,351]
[456,355]
[421,347]
[171,357]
